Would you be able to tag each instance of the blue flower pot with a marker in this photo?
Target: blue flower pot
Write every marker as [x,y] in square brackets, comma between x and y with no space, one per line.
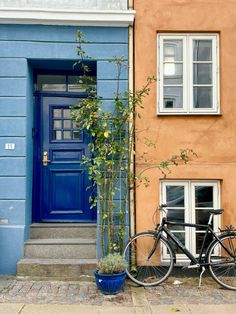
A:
[110,283]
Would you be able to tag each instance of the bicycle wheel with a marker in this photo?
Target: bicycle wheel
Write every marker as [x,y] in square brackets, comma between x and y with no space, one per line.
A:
[222,264]
[144,271]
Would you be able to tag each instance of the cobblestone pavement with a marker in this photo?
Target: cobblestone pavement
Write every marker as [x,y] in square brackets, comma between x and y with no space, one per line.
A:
[86,293]
[59,292]
[189,293]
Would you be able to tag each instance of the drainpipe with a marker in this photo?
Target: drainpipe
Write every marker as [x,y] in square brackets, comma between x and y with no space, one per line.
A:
[131,4]
[131,88]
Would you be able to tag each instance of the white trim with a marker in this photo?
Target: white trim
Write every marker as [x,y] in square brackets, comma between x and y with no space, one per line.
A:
[188,74]
[113,18]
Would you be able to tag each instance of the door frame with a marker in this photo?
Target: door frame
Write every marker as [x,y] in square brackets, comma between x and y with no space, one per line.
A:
[37,137]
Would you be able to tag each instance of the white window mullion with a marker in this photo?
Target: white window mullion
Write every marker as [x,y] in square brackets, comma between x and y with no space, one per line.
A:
[193,218]
[185,75]
[188,217]
[190,71]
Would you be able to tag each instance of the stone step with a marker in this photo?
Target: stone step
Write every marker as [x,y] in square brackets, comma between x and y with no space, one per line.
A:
[69,269]
[62,230]
[61,248]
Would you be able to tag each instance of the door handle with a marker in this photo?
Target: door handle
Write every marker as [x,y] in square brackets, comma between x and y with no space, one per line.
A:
[45,158]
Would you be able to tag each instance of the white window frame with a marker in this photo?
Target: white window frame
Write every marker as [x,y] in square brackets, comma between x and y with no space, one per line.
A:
[188,74]
[189,206]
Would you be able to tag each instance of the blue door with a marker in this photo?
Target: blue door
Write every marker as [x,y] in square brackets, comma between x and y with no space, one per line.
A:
[61,182]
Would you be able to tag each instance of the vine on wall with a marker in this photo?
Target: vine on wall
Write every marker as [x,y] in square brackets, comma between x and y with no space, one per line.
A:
[112,136]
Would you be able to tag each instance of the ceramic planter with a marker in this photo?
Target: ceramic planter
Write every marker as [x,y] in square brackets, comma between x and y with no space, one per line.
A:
[110,283]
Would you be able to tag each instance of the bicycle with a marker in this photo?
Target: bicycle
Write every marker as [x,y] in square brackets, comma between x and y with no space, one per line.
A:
[147,267]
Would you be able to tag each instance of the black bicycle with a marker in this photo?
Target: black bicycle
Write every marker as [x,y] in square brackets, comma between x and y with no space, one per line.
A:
[151,257]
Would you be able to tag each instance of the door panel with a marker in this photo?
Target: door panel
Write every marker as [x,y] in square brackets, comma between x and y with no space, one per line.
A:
[66,191]
[63,181]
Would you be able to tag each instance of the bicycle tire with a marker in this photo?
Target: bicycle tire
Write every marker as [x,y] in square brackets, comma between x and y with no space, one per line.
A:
[225,271]
[150,272]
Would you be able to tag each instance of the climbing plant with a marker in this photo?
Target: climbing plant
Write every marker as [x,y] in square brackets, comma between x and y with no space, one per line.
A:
[109,164]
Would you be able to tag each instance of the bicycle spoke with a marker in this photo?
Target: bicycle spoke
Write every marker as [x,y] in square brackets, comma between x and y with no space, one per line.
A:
[149,270]
[223,267]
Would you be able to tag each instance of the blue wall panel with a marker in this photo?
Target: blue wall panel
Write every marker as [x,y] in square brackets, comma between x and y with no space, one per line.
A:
[20,147]
[107,88]
[107,105]
[12,126]
[12,188]
[59,51]
[13,67]
[12,86]
[106,51]
[11,248]
[12,106]
[12,166]
[44,33]
[13,211]
[108,71]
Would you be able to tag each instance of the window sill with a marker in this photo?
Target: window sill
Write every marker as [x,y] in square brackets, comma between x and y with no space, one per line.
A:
[159,114]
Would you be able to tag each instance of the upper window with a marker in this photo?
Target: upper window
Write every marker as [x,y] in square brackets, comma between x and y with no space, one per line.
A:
[188,74]
[59,83]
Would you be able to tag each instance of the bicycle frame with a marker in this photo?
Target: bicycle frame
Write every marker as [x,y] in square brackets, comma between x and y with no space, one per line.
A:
[196,261]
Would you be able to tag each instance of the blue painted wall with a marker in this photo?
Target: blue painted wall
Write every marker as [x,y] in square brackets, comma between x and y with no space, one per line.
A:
[19,46]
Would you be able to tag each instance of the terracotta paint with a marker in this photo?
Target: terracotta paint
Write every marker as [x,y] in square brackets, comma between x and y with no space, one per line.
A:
[212,137]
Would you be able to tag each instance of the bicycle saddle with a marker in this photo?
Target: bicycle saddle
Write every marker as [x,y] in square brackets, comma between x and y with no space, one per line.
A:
[215,211]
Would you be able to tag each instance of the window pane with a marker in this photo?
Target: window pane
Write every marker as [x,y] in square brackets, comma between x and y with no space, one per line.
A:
[202,73]
[77,135]
[57,135]
[67,124]
[75,84]
[67,135]
[173,50]
[199,240]
[173,74]
[202,50]
[51,82]
[173,97]
[202,97]
[204,196]
[175,196]
[57,124]
[56,113]
[66,113]
[176,215]
[202,217]
[74,126]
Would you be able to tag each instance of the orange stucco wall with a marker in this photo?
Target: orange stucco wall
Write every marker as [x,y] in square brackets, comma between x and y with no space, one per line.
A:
[213,138]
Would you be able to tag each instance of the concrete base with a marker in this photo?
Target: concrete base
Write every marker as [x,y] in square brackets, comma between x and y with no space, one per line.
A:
[59,251]
[69,269]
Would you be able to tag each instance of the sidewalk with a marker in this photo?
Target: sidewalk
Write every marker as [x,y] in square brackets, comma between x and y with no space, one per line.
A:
[62,297]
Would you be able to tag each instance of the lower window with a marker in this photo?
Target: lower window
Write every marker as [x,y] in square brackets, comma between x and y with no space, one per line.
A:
[188,201]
